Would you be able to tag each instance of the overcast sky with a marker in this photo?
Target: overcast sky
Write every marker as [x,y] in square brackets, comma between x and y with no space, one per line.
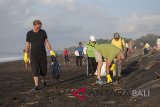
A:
[69,21]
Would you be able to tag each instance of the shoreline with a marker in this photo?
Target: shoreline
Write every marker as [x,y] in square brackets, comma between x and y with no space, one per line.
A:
[10,59]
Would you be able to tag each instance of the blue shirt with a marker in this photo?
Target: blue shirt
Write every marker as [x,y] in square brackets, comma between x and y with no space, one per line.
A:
[80,50]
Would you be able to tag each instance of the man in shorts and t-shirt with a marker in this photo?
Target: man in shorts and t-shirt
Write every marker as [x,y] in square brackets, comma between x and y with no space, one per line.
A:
[37,40]
[109,53]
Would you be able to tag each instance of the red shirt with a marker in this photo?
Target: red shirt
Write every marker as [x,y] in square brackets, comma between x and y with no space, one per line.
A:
[65,52]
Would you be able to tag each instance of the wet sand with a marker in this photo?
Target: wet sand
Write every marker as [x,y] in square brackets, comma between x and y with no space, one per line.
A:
[16,84]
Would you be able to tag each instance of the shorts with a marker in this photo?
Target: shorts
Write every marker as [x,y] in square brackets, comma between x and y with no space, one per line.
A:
[98,56]
[39,66]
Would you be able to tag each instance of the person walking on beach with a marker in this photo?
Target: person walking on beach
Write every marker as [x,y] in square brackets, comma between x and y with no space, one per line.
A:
[109,53]
[37,40]
[127,49]
[119,43]
[89,54]
[79,54]
[130,44]
[66,56]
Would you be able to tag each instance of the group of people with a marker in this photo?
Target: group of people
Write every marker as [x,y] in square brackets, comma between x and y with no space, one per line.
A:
[112,54]
[95,55]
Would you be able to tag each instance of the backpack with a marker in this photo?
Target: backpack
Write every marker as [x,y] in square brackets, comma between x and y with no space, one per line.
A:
[55,68]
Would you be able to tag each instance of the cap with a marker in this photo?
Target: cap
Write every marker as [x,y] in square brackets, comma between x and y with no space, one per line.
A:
[92,38]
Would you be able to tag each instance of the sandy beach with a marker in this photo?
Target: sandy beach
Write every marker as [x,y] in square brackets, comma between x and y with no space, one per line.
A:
[139,73]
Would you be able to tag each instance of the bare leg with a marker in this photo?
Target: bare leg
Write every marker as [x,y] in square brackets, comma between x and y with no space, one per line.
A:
[114,71]
[43,79]
[36,81]
[119,68]
[44,84]
[99,66]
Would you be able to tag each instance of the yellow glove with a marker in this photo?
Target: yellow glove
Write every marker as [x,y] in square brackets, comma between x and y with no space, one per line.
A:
[112,67]
[109,80]
[26,59]
[52,53]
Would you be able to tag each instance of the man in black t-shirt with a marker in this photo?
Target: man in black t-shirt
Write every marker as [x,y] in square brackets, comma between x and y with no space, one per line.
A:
[37,40]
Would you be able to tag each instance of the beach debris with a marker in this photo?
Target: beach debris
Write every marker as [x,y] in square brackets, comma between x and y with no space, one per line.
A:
[110,102]
[32,103]
[149,66]
[52,99]
[158,75]
[51,90]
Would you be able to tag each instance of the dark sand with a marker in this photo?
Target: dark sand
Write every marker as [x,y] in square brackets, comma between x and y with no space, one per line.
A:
[16,84]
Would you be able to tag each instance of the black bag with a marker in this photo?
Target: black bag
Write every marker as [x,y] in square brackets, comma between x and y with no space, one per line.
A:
[146,51]
[55,68]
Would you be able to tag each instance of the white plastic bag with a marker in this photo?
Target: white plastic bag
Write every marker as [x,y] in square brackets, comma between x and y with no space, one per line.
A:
[76,53]
[103,70]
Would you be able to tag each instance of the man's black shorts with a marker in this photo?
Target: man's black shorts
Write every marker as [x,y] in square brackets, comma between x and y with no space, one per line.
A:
[39,66]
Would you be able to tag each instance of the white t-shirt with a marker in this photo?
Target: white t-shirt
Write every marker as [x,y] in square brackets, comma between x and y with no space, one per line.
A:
[127,46]
[158,41]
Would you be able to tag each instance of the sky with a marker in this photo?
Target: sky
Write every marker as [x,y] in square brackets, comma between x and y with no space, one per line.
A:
[68,22]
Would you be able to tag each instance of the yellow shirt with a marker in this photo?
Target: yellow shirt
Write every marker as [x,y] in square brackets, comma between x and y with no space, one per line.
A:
[120,43]
[147,46]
